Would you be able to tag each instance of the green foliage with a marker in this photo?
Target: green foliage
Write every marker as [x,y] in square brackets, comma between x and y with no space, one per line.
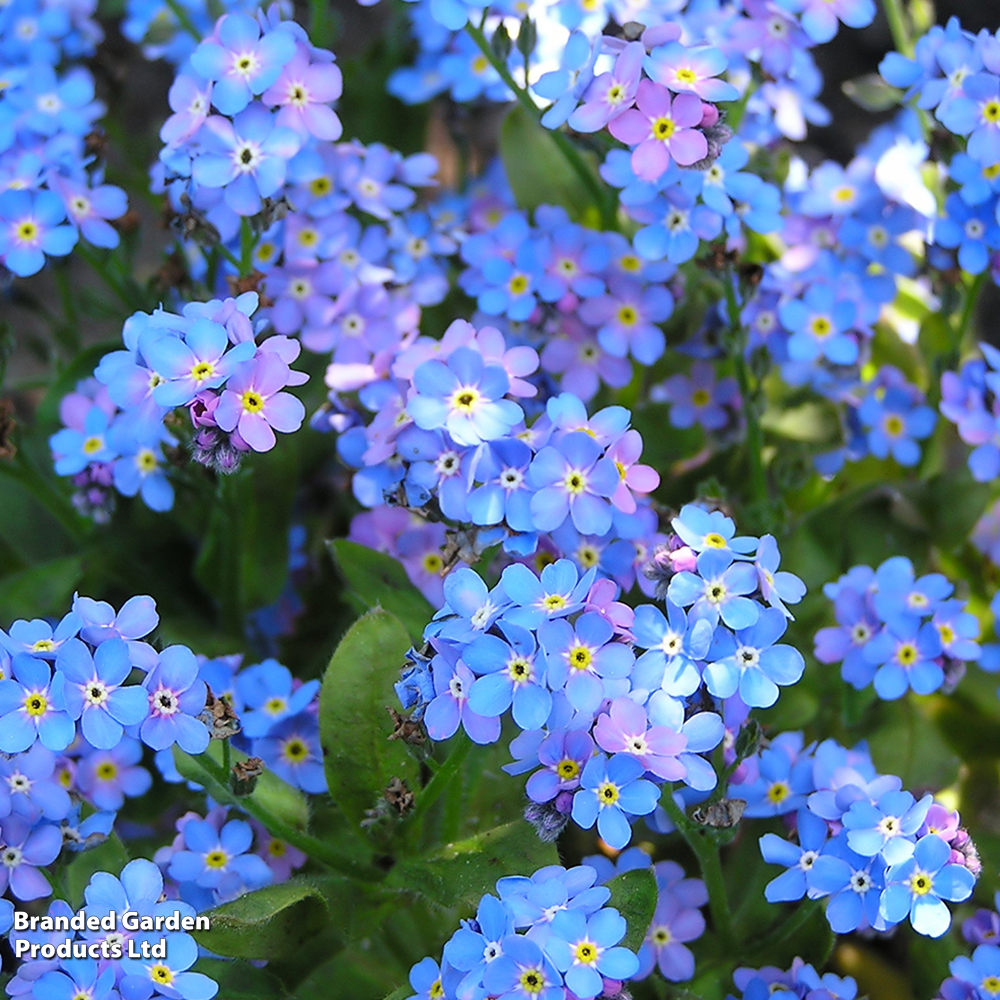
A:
[633,895]
[461,872]
[270,923]
[44,589]
[272,793]
[359,757]
[377,580]
[536,169]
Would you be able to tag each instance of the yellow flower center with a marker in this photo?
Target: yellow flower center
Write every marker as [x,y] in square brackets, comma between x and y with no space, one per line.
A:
[991,112]
[778,792]
[107,771]
[146,460]
[275,706]
[216,859]
[518,285]
[686,75]
[991,985]
[893,425]
[607,793]
[907,654]
[575,482]
[586,952]
[465,399]
[43,646]
[713,540]
[588,556]
[519,670]
[277,848]
[567,769]
[93,445]
[253,402]
[433,563]
[532,981]
[947,634]
[554,602]
[580,657]
[27,232]
[630,263]
[35,704]
[202,371]
[701,397]
[320,186]
[921,883]
[663,128]
[295,750]
[820,326]
[159,973]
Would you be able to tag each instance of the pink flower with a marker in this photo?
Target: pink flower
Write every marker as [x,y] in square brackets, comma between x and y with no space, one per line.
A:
[625,454]
[661,128]
[253,406]
[624,731]
[303,92]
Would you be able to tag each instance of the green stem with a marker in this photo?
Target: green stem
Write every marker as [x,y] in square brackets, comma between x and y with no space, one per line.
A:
[184,20]
[317,849]
[102,270]
[755,438]
[227,759]
[571,154]
[248,243]
[707,854]
[442,778]
[898,27]
[784,930]
[969,310]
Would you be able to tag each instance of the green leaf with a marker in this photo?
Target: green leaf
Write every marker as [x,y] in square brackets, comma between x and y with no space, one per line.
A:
[240,980]
[813,423]
[109,856]
[633,895]
[872,93]
[461,872]
[359,757]
[45,589]
[378,580]
[536,169]
[267,924]
[274,794]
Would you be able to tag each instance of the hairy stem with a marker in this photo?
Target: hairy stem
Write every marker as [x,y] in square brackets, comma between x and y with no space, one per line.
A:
[710,864]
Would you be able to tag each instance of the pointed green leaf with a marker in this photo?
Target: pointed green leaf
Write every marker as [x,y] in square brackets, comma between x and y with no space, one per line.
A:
[633,895]
[378,580]
[359,757]
[537,171]
[269,923]
[463,871]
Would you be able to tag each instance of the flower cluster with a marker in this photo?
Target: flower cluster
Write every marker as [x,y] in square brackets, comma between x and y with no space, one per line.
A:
[52,188]
[549,936]
[800,982]
[205,359]
[101,964]
[876,854]
[450,433]
[604,724]
[969,401]
[898,631]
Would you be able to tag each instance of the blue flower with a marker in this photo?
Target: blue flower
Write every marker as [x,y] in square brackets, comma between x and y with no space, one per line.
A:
[78,977]
[291,749]
[918,886]
[32,707]
[269,695]
[798,859]
[32,224]
[509,672]
[751,662]
[559,592]
[906,657]
[573,480]
[522,972]
[240,62]
[885,827]
[465,396]
[673,645]
[477,943]
[219,859]
[176,698]
[169,977]
[702,530]
[610,791]
[580,655]
[854,884]
[94,691]
[585,951]
[718,590]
